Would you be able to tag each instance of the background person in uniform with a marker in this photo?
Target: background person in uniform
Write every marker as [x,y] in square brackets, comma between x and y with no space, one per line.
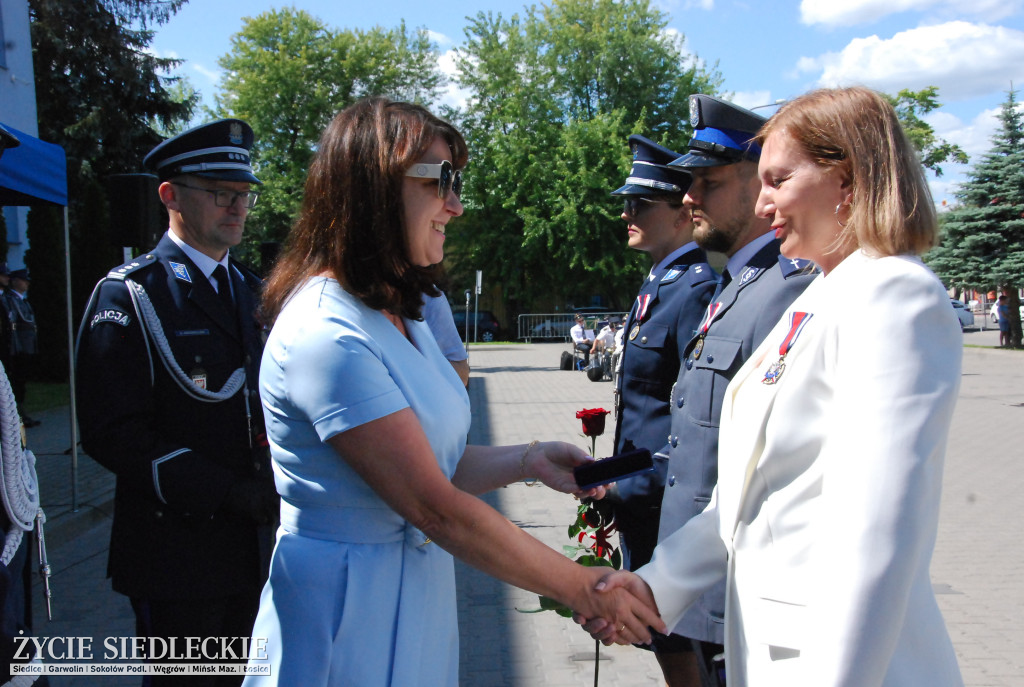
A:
[605,339]
[834,432]
[24,341]
[670,303]
[168,361]
[368,426]
[582,338]
[437,313]
[5,317]
[758,285]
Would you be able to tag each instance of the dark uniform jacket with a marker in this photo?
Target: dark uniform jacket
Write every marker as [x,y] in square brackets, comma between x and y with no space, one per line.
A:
[653,346]
[751,305]
[175,456]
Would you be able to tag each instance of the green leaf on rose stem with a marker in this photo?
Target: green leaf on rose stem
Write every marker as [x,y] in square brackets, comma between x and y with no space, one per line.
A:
[591,560]
[616,559]
[549,604]
[574,529]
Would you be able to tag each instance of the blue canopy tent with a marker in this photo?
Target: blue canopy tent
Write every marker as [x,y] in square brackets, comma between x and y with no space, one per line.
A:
[33,172]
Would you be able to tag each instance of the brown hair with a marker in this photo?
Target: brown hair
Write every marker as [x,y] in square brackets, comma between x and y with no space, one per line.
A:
[857,131]
[352,221]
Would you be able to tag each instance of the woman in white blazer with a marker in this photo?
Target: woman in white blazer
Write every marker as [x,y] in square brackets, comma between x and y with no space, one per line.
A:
[834,433]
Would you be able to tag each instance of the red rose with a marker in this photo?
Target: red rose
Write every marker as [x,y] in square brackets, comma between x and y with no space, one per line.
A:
[593,421]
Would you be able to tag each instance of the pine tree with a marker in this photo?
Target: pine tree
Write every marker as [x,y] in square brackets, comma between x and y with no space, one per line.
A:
[983,236]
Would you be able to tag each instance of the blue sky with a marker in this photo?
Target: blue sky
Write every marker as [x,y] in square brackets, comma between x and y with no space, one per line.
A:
[766,50]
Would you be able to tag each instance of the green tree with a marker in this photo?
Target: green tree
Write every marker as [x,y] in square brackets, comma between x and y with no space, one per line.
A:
[554,95]
[983,236]
[288,74]
[910,107]
[98,90]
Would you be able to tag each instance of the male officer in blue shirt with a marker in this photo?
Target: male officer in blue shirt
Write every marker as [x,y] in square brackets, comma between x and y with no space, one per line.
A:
[168,371]
[663,319]
[758,284]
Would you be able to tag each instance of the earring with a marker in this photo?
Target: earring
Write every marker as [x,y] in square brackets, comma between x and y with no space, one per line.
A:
[837,216]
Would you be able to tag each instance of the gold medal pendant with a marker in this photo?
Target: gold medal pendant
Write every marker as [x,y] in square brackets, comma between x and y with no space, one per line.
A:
[633,334]
[698,347]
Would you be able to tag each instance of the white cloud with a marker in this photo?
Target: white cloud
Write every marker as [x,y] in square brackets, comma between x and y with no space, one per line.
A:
[836,14]
[212,74]
[453,95]
[438,38]
[749,99]
[964,60]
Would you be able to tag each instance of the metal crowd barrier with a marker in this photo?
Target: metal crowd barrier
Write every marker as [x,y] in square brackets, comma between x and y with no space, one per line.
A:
[556,326]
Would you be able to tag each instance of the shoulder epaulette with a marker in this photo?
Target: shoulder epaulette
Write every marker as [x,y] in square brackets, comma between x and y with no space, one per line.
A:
[701,272]
[796,266]
[141,262]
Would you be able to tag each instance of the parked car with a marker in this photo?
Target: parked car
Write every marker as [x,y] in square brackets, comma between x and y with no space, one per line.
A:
[994,314]
[487,327]
[966,316]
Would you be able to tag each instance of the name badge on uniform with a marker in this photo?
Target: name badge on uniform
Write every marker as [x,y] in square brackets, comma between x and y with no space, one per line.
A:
[797,321]
[198,376]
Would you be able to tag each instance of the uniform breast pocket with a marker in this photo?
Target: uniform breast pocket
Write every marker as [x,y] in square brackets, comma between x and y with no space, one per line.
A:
[645,357]
[716,365]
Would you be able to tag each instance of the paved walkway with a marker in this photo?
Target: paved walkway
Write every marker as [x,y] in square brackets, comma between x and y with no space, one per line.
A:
[519,394]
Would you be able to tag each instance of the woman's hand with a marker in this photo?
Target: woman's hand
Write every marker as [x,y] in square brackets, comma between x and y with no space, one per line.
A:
[622,609]
[552,462]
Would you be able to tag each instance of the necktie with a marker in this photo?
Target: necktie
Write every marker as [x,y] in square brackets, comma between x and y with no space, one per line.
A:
[726,278]
[220,275]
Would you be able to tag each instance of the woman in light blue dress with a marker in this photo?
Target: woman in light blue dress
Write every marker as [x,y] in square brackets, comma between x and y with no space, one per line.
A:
[367,423]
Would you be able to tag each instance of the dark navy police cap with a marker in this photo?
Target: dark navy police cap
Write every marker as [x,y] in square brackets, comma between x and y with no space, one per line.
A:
[21,274]
[723,133]
[4,270]
[650,174]
[219,150]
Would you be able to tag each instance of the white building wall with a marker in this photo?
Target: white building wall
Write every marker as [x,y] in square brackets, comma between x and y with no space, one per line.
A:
[17,105]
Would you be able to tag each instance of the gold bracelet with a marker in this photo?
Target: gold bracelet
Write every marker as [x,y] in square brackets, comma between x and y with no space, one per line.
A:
[522,465]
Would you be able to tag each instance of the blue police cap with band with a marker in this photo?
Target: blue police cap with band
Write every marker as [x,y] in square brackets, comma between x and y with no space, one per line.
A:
[650,174]
[219,150]
[723,133]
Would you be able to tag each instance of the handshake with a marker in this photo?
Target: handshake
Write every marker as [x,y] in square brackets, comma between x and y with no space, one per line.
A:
[618,608]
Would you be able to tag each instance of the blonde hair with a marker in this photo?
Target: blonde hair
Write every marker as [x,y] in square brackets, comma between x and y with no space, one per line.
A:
[856,131]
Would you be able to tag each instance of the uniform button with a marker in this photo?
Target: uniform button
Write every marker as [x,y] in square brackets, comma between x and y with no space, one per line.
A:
[679,403]
[674,442]
[257,467]
[711,358]
[248,359]
[689,363]
[643,339]
[671,480]
[159,514]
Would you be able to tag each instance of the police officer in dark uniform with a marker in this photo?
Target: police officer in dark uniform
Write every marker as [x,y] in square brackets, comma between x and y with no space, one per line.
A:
[24,338]
[670,303]
[758,284]
[168,368]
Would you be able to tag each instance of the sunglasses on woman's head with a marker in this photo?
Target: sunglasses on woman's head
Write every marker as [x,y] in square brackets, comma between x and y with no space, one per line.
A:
[448,179]
[632,206]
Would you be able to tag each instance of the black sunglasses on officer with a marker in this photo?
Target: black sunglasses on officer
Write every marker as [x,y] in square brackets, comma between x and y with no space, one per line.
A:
[448,178]
[632,206]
